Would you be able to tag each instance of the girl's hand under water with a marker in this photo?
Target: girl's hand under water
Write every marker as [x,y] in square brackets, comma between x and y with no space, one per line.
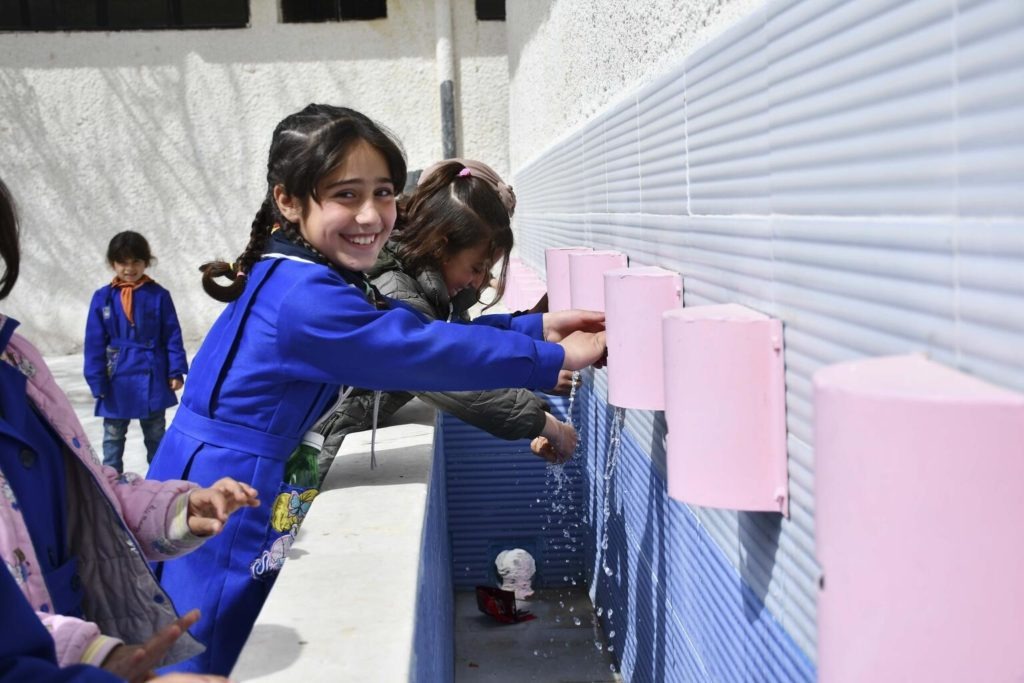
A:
[556,443]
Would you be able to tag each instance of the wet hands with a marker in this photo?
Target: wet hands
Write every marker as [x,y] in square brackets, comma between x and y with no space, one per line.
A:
[583,349]
[209,508]
[560,324]
[557,441]
[135,663]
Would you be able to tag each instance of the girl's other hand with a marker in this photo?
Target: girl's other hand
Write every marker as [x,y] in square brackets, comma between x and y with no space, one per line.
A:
[560,324]
[556,443]
[564,386]
[175,383]
[135,663]
[583,349]
[209,508]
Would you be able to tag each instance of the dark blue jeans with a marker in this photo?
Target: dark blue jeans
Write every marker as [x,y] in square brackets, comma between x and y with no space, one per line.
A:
[114,431]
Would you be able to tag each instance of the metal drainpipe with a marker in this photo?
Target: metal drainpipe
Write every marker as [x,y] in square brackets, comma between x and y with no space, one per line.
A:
[445,57]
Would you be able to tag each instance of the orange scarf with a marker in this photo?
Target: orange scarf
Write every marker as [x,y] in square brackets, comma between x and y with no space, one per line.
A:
[127,290]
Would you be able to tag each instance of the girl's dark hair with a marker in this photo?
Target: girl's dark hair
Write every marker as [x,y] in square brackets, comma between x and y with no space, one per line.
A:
[450,212]
[9,250]
[307,146]
[128,246]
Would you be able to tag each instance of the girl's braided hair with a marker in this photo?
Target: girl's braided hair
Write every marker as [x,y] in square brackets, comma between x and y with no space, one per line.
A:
[306,147]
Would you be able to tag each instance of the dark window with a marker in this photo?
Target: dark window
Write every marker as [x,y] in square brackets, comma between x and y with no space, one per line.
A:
[302,11]
[121,15]
[490,10]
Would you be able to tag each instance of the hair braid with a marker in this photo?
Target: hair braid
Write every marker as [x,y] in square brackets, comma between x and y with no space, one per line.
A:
[237,272]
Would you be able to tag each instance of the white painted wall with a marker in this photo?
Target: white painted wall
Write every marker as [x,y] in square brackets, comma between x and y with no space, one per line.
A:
[568,59]
[166,132]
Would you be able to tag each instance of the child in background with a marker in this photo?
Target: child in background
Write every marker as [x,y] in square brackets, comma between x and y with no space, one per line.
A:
[134,357]
[454,227]
[75,537]
[303,320]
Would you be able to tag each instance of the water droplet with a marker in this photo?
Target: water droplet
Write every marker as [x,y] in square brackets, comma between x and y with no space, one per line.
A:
[598,645]
[610,611]
[611,667]
[611,634]
[576,620]
[536,653]
[611,648]
[607,570]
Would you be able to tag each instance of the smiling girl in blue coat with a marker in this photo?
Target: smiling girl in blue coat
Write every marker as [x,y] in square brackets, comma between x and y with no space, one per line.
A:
[134,357]
[302,321]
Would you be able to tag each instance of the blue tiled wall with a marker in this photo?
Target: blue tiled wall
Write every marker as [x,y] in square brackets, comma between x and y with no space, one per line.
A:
[502,496]
[680,611]
[678,608]
[433,642]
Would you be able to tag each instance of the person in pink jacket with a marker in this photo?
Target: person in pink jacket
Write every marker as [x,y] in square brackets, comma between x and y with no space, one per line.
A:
[77,537]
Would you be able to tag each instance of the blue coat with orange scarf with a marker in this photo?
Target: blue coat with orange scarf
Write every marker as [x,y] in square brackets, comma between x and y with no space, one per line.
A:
[128,365]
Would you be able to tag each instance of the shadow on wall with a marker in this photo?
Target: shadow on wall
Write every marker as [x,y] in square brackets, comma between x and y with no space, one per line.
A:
[526,17]
[162,172]
[759,540]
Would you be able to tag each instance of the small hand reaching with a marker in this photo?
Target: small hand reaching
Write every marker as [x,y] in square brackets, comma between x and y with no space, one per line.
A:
[135,663]
[564,386]
[209,508]
[556,443]
[583,349]
[560,324]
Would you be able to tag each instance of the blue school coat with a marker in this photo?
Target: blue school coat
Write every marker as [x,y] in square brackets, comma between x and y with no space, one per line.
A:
[128,366]
[251,396]
[26,648]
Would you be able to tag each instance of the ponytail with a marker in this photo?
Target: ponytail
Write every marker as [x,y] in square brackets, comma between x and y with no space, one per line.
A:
[237,272]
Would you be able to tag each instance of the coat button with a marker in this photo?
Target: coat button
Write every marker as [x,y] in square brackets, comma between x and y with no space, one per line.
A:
[28,457]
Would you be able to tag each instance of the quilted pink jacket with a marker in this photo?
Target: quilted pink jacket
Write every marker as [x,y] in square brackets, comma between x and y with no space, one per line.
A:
[117,523]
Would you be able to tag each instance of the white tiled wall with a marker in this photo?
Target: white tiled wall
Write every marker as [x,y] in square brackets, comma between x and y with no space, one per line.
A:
[854,168]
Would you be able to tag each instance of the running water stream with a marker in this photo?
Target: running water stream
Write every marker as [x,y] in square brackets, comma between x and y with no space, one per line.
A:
[601,557]
[558,483]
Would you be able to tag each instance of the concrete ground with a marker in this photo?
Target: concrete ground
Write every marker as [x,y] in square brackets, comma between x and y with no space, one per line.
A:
[553,648]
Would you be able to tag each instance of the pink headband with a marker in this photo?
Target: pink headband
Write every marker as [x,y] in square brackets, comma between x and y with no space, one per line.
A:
[465,172]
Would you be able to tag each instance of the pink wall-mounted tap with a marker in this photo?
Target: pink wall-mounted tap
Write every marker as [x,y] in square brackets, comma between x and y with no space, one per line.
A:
[919,498]
[725,407]
[556,262]
[586,277]
[634,300]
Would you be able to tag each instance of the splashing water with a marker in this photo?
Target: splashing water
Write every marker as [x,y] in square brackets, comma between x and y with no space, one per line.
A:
[614,446]
[560,494]
[572,397]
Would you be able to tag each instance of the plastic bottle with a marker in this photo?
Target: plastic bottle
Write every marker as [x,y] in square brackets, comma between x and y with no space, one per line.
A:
[301,468]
